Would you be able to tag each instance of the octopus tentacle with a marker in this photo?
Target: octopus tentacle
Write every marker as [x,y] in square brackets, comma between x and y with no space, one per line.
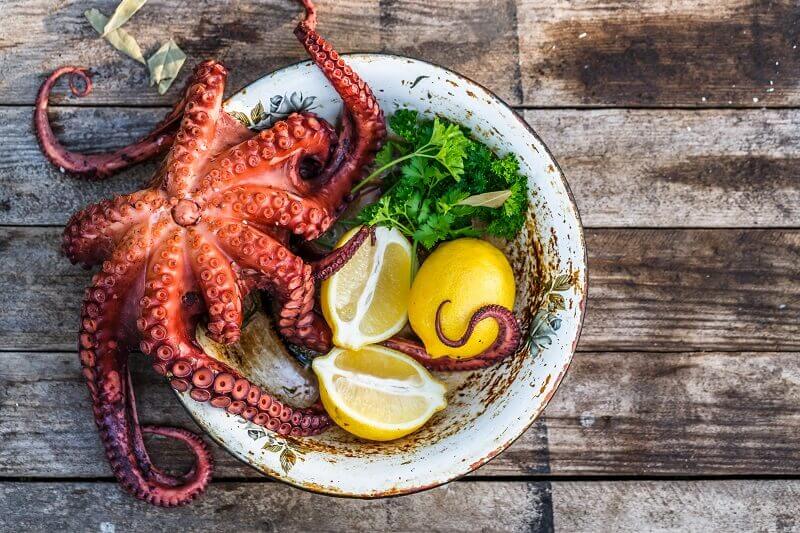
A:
[168,336]
[267,207]
[508,334]
[96,166]
[415,350]
[273,157]
[92,233]
[150,470]
[336,259]
[197,129]
[162,324]
[103,353]
[221,292]
[209,381]
[286,276]
[360,103]
[506,343]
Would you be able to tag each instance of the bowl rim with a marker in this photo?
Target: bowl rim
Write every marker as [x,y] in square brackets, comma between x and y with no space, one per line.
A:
[556,384]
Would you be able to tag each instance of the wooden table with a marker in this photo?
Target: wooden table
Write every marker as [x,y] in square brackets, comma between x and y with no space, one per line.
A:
[676,125]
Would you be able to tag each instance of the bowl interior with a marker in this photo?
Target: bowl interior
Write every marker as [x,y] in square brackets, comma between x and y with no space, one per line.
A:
[487,409]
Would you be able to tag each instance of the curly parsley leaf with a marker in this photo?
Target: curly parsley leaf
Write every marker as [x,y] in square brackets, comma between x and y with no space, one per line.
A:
[404,123]
[452,145]
[437,181]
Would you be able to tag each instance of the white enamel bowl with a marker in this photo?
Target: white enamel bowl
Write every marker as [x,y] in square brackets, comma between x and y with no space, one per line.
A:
[487,410]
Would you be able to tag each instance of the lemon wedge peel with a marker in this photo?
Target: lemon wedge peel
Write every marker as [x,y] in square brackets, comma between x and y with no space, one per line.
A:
[348,319]
[419,389]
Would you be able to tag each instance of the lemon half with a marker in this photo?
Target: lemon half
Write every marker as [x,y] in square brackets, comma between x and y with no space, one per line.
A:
[376,393]
[367,300]
[470,273]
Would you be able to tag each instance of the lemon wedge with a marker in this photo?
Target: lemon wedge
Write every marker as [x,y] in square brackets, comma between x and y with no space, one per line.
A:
[376,393]
[366,301]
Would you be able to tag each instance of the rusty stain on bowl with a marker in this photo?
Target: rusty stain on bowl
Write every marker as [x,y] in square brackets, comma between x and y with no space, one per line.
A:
[487,410]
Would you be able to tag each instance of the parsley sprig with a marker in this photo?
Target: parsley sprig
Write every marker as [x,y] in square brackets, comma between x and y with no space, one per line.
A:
[429,173]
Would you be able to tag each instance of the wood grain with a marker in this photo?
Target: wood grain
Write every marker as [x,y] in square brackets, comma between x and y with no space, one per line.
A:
[634,506]
[531,52]
[650,290]
[649,414]
[477,38]
[245,507]
[688,414]
[735,505]
[253,39]
[645,168]
[681,53]
[639,168]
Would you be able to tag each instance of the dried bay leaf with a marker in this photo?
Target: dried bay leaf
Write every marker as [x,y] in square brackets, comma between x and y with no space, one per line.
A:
[493,199]
[119,38]
[125,10]
[164,85]
[165,64]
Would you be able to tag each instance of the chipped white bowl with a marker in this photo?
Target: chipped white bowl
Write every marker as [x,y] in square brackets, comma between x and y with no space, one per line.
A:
[488,409]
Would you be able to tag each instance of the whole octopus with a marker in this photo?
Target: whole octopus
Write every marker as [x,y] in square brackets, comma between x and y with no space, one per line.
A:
[223,216]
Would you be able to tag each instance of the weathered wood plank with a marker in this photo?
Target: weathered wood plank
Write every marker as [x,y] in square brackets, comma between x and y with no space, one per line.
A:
[676,414]
[662,290]
[639,413]
[732,505]
[681,53]
[252,39]
[634,506]
[627,168]
[477,38]
[683,290]
[532,52]
[647,168]
[239,507]
[34,191]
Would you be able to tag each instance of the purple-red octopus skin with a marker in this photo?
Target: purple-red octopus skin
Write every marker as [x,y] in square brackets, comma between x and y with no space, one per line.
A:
[214,224]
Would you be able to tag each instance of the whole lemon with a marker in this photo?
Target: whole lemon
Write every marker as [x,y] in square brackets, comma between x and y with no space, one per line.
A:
[470,273]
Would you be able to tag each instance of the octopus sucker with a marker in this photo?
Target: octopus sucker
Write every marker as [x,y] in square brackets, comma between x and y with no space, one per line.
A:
[214,224]
[221,217]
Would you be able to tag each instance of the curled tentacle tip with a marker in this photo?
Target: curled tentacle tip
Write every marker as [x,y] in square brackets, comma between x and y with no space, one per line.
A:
[80,75]
[333,262]
[508,334]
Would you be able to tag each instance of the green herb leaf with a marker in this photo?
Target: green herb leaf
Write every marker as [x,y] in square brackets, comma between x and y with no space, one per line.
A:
[272,447]
[404,124]
[452,145]
[492,199]
[119,39]
[165,64]
[125,10]
[436,180]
